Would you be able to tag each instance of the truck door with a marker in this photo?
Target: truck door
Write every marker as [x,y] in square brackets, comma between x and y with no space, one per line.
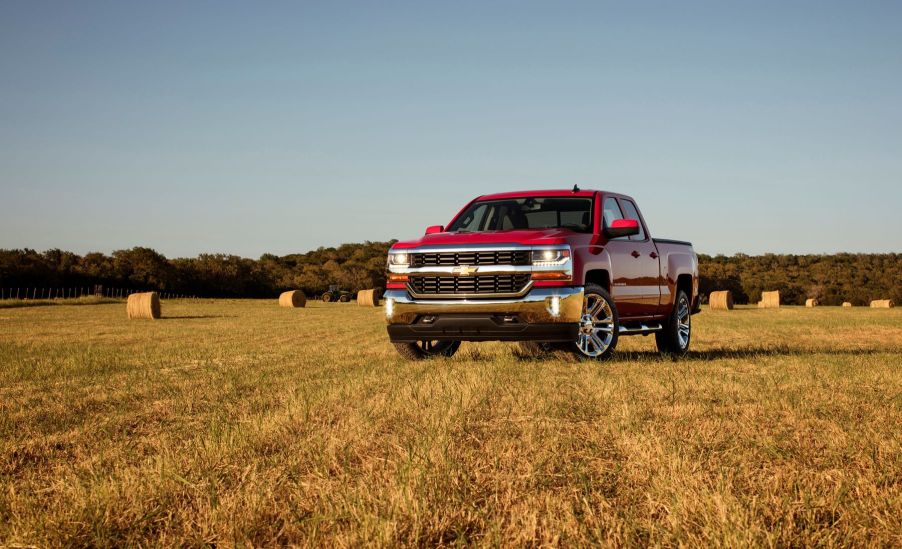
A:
[634,262]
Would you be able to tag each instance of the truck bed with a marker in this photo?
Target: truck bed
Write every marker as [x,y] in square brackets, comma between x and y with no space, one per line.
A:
[670,241]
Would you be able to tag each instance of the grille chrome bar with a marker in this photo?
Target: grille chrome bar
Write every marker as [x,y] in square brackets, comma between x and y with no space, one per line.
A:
[472,257]
[513,285]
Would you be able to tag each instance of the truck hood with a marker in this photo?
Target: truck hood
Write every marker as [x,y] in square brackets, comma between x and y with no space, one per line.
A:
[520,237]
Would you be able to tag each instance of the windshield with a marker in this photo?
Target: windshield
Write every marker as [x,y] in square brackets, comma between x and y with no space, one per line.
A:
[526,213]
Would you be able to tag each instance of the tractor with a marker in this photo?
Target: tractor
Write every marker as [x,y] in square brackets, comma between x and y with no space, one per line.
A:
[334,294]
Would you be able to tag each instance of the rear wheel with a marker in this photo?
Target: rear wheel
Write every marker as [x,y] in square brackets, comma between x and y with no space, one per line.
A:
[422,350]
[674,338]
[344,298]
[598,326]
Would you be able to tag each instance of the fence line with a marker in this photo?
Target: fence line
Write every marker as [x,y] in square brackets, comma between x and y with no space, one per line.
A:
[75,292]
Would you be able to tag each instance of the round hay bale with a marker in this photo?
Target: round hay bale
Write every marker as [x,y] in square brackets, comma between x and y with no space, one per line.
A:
[882,304]
[144,305]
[846,304]
[770,300]
[811,302]
[292,299]
[721,301]
[364,298]
[368,298]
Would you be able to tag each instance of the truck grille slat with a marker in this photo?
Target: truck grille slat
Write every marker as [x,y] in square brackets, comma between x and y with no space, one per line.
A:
[472,285]
[453,259]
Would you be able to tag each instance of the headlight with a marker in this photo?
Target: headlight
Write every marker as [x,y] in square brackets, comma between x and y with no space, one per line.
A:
[399,258]
[550,257]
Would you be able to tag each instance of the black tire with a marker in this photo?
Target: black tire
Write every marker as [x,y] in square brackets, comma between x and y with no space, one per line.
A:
[327,298]
[676,334]
[344,299]
[423,350]
[599,347]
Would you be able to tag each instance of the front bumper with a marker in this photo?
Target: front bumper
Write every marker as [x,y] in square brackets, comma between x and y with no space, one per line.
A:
[544,314]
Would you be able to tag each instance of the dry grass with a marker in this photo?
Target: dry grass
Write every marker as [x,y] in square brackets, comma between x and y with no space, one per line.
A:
[84,300]
[243,423]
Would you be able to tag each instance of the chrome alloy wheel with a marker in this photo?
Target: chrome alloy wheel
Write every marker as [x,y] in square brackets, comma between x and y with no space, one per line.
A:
[684,322]
[596,326]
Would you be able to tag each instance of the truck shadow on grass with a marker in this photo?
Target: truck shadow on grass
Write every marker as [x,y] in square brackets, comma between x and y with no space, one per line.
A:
[706,355]
[751,352]
[194,317]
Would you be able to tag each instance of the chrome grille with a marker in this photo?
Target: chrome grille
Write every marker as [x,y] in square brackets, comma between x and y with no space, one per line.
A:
[511,284]
[487,257]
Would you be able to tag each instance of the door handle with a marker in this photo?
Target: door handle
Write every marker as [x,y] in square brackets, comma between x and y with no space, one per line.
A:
[635,254]
[654,255]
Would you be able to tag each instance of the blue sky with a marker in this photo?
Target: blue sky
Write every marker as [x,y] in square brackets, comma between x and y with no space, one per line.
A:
[279,127]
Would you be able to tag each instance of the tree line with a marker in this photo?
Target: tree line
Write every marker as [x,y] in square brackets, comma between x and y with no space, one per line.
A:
[831,279]
[353,267]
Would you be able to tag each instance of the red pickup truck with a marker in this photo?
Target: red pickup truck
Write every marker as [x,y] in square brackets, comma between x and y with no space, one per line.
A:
[559,269]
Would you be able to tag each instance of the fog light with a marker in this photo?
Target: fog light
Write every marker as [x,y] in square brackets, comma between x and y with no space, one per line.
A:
[554,306]
[389,307]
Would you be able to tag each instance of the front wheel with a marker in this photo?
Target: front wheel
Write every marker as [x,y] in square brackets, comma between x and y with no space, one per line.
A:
[677,332]
[422,350]
[598,326]
[327,298]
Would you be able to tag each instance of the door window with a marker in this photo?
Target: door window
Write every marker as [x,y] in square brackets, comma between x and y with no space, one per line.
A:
[612,213]
[629,209]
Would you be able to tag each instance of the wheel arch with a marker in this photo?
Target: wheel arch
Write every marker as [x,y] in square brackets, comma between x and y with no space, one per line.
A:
[684,282]
[594,264]
[599,276]
[682,274]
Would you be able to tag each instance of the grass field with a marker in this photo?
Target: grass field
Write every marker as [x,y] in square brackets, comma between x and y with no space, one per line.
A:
[236,422]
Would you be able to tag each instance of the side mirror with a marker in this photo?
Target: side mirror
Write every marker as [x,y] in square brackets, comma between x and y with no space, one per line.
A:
[435,229]
[622,227]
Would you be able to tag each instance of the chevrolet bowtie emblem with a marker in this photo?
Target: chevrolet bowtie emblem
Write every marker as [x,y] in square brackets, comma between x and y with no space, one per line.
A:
[464,270]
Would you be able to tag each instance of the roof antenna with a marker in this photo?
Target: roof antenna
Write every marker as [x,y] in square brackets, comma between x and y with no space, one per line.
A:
[575,189]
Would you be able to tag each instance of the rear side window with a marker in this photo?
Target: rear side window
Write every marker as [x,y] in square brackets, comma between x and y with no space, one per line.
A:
[630,211]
